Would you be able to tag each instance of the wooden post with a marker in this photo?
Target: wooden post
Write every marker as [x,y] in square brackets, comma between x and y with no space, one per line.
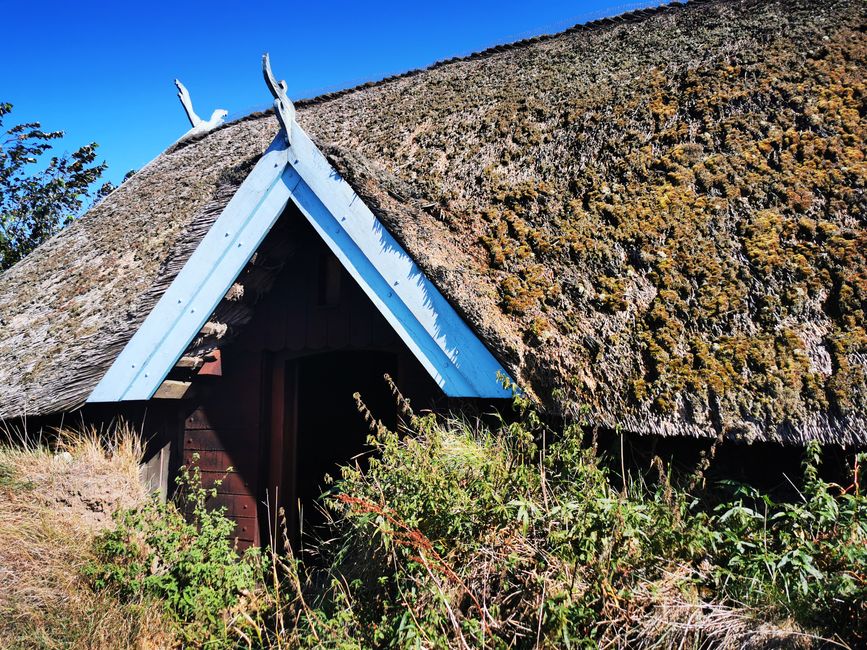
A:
[282,444]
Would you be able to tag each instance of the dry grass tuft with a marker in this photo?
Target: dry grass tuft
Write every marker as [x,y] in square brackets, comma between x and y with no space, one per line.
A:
[669,613]
[54,498]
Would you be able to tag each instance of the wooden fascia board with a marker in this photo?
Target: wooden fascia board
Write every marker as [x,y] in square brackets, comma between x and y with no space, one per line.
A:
[203,281]
[430,327]
[443,343]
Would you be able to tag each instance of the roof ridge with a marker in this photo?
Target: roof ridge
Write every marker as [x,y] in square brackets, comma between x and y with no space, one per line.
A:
[634,16]
[629,17]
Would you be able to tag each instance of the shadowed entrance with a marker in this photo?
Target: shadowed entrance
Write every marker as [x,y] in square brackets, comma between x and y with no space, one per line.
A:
[331,431]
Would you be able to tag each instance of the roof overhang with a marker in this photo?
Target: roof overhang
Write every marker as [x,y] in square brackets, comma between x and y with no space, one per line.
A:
[443,343]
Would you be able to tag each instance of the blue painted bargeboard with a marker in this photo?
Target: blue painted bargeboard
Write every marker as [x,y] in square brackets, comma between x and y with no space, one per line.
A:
[453,355]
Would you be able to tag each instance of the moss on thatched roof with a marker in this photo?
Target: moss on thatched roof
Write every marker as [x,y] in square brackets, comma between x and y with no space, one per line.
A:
[659,223]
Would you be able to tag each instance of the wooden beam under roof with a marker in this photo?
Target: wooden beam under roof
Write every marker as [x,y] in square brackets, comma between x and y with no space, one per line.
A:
[172,389]
[190,363]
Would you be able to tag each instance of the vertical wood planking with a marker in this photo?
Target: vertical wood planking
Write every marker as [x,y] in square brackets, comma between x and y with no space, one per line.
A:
[224,432]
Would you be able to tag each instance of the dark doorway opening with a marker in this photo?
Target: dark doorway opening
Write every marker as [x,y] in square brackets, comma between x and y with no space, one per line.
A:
[322,427]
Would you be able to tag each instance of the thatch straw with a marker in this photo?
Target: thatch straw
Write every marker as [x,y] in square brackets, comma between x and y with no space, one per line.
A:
[654,222]
[68,309]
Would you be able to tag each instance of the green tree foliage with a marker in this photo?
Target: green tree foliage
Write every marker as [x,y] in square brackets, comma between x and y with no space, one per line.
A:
[39,198]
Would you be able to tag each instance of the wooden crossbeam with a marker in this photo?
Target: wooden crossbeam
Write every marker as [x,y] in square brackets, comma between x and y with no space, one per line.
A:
[171,389]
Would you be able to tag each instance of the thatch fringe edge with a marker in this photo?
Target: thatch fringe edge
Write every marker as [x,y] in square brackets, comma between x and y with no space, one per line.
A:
[72,391]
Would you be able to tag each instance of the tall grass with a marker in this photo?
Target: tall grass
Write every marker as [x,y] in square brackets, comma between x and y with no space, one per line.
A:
[56,495]
[461,535]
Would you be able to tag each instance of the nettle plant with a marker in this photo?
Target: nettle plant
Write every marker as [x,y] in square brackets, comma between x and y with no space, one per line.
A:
[518,534]
[807,558]
[180,553]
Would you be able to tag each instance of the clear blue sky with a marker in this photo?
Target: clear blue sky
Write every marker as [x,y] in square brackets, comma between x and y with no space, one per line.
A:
[104,71]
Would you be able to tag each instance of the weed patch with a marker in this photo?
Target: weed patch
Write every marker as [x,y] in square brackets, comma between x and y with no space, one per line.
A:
[179,555]
[515,536]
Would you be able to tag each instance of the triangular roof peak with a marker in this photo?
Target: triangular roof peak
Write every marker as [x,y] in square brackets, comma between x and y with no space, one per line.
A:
[294,170]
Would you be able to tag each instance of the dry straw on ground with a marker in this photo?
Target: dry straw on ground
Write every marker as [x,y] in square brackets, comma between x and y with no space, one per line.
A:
[53,500]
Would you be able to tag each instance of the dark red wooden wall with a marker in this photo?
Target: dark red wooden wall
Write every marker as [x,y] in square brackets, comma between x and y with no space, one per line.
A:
[224,429]
[313,307]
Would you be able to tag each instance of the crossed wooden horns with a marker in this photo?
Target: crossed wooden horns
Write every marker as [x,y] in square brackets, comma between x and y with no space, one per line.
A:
[283,106]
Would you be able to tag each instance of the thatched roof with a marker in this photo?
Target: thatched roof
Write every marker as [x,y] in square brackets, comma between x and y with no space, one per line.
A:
[67,310]
[658,222]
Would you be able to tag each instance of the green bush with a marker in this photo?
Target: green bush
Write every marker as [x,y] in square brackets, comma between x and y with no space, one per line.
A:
[458,534]
[186,561]
[462,534]
[807,559]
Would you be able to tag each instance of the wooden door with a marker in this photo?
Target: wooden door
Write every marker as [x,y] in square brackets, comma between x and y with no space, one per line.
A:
[316,427]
